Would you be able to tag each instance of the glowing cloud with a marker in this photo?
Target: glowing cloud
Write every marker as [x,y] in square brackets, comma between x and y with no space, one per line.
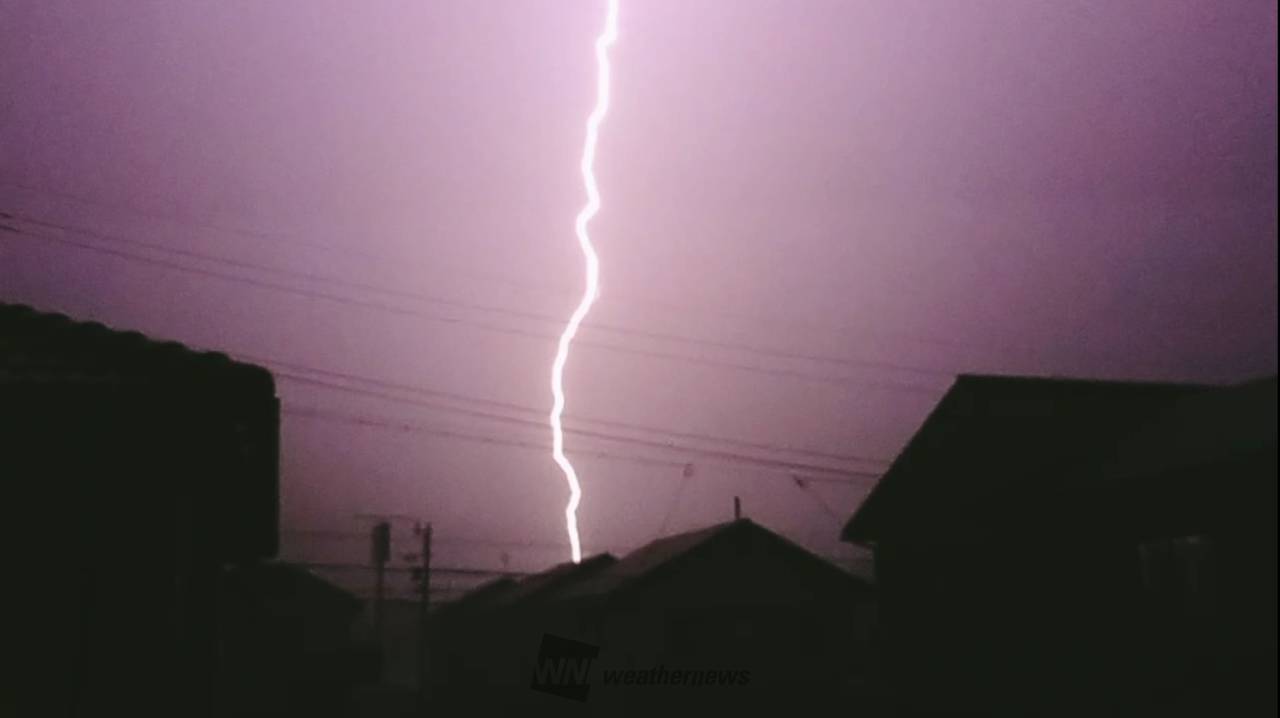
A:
[592,289]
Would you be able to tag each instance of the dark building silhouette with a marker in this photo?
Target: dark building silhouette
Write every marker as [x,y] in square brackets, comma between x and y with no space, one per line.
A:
[477,599]
[487,635]
[768,616]
[134,470]
[287,644]
[1057,547]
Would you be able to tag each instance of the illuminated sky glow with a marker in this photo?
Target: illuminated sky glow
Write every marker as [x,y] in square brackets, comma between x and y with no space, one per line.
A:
[830,202]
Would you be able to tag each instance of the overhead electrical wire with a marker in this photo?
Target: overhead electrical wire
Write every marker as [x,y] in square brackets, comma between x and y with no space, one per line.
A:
[587,433]
[726,457]
[524,285]
[288,370]
[878,384]
[697,451]
[471,306]
[766,467]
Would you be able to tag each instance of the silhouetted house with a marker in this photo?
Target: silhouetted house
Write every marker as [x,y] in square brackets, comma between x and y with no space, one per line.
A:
[1059,547]
[478,598]
[133,471]
[288,646]
[757,613]
[402,669]
[477,637]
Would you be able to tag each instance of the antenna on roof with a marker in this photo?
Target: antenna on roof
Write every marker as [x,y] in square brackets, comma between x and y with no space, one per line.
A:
[737,508]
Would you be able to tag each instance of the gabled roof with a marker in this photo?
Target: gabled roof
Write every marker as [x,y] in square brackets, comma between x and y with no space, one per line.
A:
[278,585]
[666,556]
[532,588]
[479,597]
[993,439]
[646,559]
[1207,429]
[46,347]
[506,592]
[603,575]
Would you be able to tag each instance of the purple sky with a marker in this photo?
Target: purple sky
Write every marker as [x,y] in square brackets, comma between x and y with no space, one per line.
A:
[1056,187]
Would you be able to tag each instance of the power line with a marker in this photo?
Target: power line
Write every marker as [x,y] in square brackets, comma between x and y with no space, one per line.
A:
[453,396]
[705,453]
[383,423]
[285,374]
[803,484]
[263,284]
[481,414]
[698,451]
[468,570]
[277,237]
[587,433]
[832,475]
[522,314]
[458,570]
[671,507]
[187,222]
[444,301]
[881,385]
[358,536]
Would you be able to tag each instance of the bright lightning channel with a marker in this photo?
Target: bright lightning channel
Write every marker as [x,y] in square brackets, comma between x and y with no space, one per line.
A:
[592,289]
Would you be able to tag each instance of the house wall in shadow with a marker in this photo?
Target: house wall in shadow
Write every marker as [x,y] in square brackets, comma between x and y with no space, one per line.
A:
[287,644]
[733,598]
[1057,547]
[133,471]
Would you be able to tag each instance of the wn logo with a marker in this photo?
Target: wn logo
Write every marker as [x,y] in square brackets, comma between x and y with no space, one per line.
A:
[563,667]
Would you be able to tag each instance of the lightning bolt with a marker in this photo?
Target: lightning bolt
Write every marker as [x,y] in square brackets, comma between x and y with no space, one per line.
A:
[592,290]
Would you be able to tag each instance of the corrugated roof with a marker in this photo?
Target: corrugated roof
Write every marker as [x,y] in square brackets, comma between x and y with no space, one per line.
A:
[51,365]
[40,346]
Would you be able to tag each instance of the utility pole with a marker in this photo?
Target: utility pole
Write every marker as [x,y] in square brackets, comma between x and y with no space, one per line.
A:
[737,508]
[424,607]
[381,553]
